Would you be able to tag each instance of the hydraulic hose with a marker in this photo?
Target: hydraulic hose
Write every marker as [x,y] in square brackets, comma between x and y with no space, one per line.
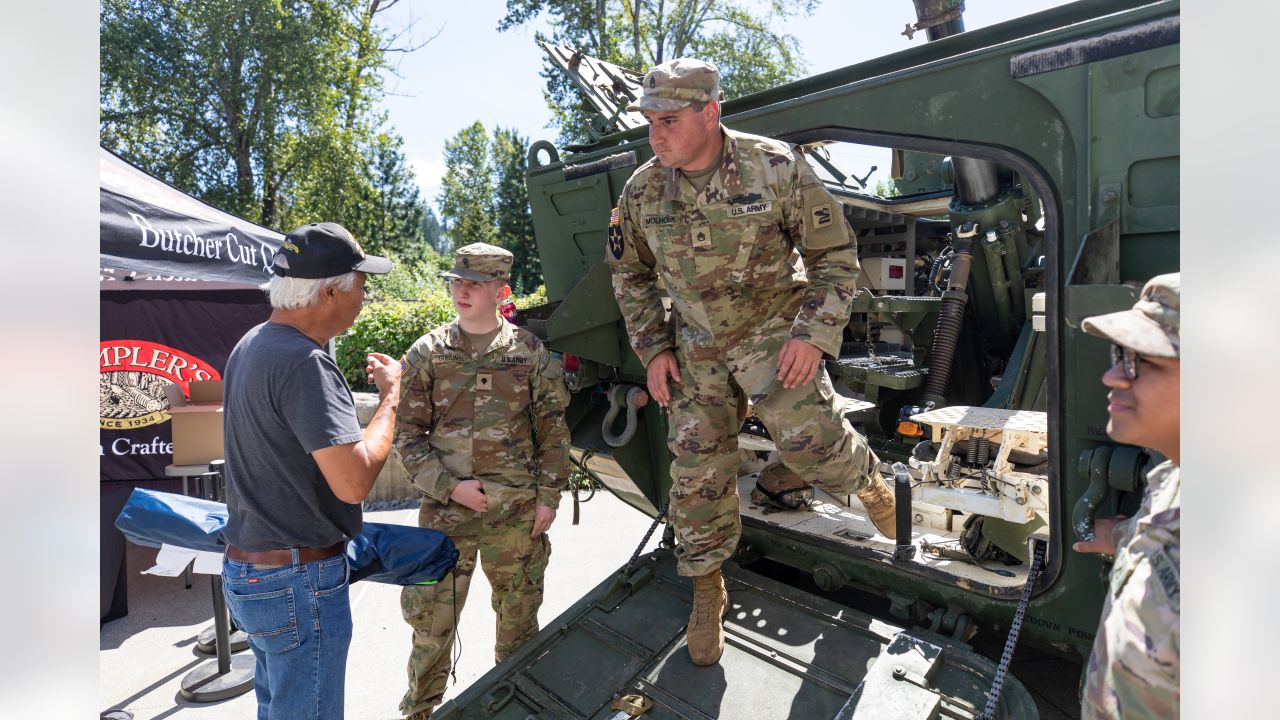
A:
[950,318]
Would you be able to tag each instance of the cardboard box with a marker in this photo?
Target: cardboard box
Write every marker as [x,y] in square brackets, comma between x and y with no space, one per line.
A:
[196,422]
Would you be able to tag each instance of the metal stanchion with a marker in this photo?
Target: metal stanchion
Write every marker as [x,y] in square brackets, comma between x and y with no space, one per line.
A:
[228,675]
[206,639]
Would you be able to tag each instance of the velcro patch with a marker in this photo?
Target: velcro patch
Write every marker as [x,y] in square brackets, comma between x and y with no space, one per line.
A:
[821,216]
[752,209]
[651,220]
[1166,572]
[614,218]
[484,381]
[615,242]
[701,236]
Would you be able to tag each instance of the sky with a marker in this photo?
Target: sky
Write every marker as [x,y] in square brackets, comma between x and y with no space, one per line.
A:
[470,71]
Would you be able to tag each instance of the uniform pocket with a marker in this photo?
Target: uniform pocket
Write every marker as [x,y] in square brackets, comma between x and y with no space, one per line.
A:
[270,618]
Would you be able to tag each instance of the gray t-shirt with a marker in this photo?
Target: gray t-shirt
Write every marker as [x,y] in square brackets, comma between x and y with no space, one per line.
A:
[284,397]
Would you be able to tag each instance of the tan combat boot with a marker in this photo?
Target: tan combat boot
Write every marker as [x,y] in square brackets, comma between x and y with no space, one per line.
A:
[705,635]
[877,498]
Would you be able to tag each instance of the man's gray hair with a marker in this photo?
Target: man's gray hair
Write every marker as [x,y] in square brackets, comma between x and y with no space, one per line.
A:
[292,293]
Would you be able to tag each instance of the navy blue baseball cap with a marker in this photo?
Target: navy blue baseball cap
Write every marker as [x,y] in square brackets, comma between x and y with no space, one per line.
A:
[324,250]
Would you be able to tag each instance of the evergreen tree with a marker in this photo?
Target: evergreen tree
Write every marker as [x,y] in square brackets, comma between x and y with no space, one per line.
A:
[514,217]
[466,197]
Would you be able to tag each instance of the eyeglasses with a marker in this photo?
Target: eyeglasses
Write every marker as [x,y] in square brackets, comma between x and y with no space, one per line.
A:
[1127,359]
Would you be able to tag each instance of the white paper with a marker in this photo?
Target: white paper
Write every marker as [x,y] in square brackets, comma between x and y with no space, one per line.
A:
[208,563]
[171,561]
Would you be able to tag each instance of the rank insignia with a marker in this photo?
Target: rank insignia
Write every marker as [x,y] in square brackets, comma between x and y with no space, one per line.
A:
[484,381]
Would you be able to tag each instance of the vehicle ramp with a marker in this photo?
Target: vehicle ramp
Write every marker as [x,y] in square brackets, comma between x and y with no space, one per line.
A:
[787,655]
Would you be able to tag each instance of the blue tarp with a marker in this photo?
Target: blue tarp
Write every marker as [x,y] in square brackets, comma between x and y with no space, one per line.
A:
[394,554]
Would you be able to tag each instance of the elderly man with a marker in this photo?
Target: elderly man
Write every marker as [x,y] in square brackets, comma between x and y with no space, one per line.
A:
[1133,671]
[297,468]
[760,266]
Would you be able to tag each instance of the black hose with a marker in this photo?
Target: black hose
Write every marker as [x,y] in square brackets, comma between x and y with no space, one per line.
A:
[950,318]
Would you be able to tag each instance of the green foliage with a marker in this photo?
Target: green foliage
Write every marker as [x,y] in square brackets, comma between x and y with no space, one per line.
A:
[533,299]
[264,108]
[887,188]
[390,327]
[411,301]
[740,38]
[410,281]
[433,232]
[466,193]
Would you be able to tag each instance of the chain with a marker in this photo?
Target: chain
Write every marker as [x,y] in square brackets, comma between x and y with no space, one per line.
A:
[1006,656]
[657,520]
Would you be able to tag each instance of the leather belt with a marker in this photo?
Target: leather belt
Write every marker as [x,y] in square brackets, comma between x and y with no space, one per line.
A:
[284,556]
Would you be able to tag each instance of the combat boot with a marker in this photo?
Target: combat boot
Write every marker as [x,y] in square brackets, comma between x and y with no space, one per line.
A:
[877,498]
[705,635]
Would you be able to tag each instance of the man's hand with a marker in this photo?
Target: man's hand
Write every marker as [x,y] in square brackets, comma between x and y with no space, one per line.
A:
[798,363]
[662,366]
[543,516]
[383,371]
[1102,543]
[470,493]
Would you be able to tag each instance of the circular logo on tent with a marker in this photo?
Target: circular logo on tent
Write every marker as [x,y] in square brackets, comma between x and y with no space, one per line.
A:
[133,375]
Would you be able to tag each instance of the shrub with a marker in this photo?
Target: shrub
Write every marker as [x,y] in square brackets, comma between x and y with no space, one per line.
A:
[391,324]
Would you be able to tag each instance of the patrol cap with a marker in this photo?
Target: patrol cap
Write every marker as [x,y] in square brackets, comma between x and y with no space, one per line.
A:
[1151,326]
[324,250]
[678,83]
[481,262]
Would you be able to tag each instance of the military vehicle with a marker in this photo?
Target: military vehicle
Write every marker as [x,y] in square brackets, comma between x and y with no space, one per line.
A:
[1035,182]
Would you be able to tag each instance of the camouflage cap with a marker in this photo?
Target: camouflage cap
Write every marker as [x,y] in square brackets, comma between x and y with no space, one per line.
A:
[1151,326]
[678,83]
[481,262]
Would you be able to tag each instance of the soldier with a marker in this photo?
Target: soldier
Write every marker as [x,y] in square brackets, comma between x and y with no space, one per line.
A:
[1133,671]
[482,434]
[760,267]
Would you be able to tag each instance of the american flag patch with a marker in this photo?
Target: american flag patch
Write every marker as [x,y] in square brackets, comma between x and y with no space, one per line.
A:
[613,217]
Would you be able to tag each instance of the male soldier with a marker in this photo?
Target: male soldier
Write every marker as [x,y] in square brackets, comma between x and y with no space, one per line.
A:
[760,267]
[298,467]
[482,434]
[1133,671]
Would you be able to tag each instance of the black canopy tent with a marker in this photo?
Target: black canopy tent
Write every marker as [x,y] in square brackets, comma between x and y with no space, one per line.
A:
[180,283]
[152,228]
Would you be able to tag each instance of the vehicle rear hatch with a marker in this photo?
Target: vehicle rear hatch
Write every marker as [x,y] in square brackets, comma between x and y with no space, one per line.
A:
[787,654]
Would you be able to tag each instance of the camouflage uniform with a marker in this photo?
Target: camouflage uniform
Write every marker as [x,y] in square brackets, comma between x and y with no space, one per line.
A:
[761,255]
[496,416]
[1134,671]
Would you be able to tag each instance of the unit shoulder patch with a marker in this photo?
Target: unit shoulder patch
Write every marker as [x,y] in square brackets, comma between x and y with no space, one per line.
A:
[821,216]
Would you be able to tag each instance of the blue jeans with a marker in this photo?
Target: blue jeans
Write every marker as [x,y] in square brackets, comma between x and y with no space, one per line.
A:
[298,619]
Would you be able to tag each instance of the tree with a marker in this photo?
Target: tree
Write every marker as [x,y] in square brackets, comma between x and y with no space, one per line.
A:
[388,217]
[513,214]
[432,231]
[466,192]
[638,34]
[260,107]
